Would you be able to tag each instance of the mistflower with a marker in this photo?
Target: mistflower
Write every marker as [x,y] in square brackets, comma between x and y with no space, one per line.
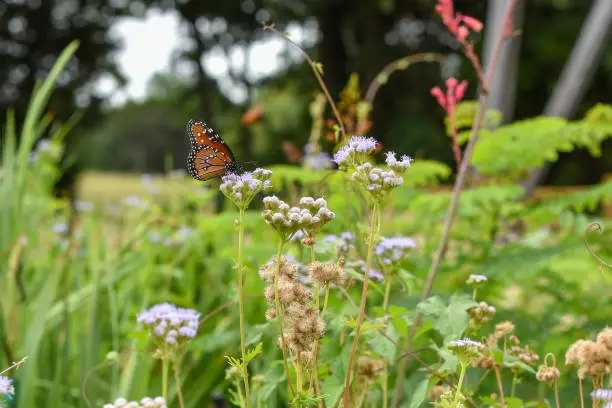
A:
[319,214]
[397,165]
[392,251]
[355,151]
[287,220]
[524,354]
[466,350]
[6,386]
[157,402]
[345,243]
[242,188]
[318,161]
[374,273]
[476,281]
[602,394]
[376,181]
[547,374]
[170,327]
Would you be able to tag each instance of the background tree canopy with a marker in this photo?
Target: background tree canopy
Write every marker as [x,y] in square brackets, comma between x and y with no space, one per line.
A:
[345,36]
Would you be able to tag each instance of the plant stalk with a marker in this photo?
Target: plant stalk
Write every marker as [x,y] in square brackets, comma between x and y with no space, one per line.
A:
[364,295]
[279,317]
[458,186]
[245,371]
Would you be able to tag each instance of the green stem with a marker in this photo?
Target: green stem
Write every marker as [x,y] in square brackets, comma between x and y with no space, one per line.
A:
[474,294]
[178,385]
[165,366]
[385,375]
[374,227]
[277,309]
[387,292]
[325,300]
[514,381]
[245,371]
[459,384]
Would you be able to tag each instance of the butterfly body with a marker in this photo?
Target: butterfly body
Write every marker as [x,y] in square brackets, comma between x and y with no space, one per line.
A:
[209,156]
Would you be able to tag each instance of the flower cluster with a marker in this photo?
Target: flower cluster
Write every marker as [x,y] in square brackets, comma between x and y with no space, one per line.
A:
[397,165]
[457,24]
[345,242]
[547,374]
[355,151]
[302,323]
[455,91]
[465,350]
[170,326]
[327,273]
[6,386]
[242,188]
[287,220]
[392,251]
[602,394]
[378,182]
[157,402]
[593,358]
[316,159]
[480,315]
[476,280]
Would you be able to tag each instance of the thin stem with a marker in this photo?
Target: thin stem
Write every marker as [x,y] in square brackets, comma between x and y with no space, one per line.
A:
[387,292]
[298,371]
[581,392]
[513,389]
[557,393]
[315,69]
[279,317]
[385,374]
[245,371]
[459,385]
[178,385]
[499,385]
[364,295]
[165,366]
[458,186]
[325,299]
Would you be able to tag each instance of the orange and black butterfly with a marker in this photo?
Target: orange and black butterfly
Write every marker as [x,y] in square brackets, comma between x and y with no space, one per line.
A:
[209,156]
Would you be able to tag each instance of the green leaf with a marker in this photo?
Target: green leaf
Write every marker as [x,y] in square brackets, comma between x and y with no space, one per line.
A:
[450,320]
[384,346]
[419,394]
[333,387]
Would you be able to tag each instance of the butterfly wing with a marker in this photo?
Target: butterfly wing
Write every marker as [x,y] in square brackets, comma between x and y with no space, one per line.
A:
[209,156]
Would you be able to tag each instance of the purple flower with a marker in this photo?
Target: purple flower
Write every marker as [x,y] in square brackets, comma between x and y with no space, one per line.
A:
[394,250]
[6,386]
[318,161]
[374,274]
[398,165]
[242,188]
[170,323]
[355,146]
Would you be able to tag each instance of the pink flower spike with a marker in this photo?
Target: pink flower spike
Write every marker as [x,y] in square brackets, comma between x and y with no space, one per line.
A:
[460,90]
[451,83]
[437,93]
[472,23]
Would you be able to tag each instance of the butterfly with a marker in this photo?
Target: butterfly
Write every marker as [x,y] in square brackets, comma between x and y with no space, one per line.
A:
[209,156]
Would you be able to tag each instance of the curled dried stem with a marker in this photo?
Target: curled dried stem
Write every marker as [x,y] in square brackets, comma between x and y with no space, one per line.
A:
[595,226]
[316,68]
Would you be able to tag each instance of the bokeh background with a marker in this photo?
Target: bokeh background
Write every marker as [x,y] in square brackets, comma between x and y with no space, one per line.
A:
[101,223]
[145,67]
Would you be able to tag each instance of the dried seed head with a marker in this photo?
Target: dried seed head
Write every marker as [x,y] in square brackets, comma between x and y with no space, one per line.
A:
[605,337]
[547,374]
[436,391]
[369,368]
[322,274]
[504,328]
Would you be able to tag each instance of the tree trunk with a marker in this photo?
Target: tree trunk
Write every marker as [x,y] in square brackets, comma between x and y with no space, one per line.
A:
[577,74]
